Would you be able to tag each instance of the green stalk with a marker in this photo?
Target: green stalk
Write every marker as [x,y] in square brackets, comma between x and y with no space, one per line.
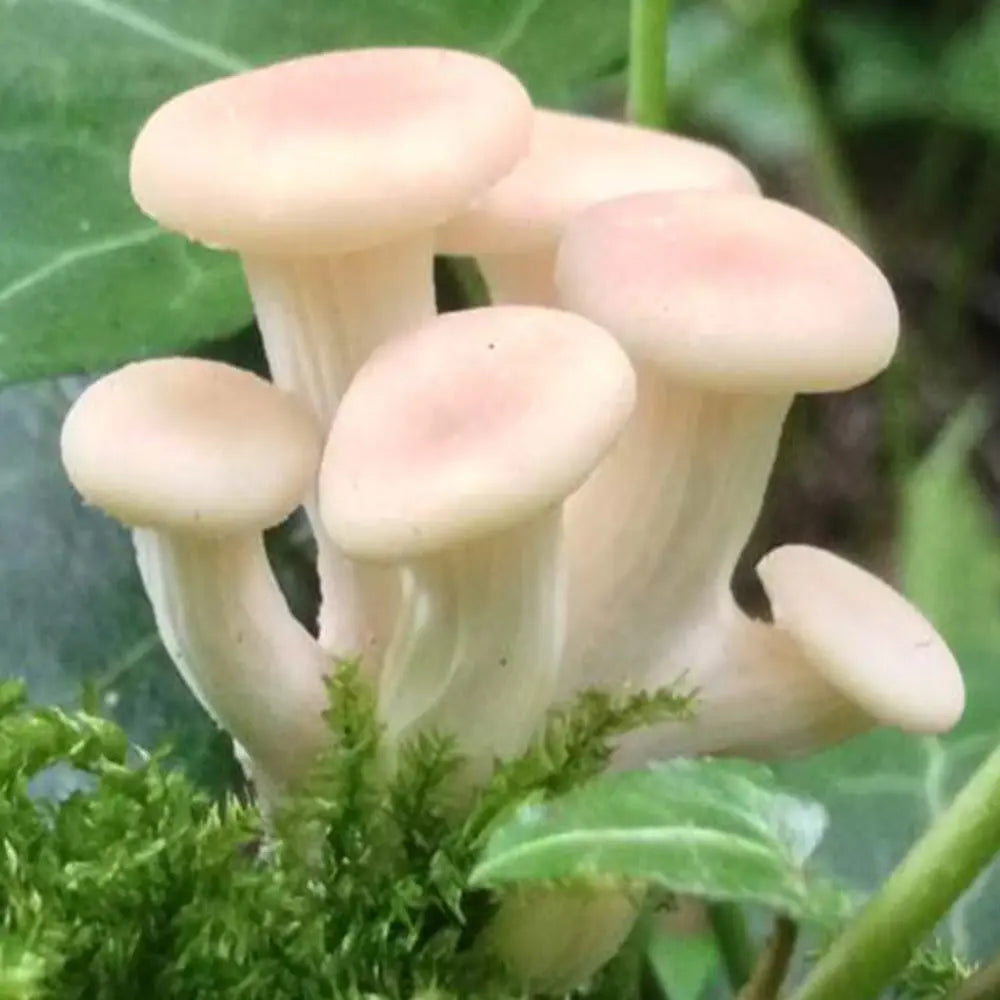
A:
[772,965]
[733,939]
[647,67]
[876,946]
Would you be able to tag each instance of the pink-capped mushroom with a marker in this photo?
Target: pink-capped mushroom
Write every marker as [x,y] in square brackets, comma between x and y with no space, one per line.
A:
[198,458]
[845,652]
[728,305]
[328,175]
[513,230]
[451,455]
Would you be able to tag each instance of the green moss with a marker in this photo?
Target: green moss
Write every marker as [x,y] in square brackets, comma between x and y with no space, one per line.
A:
[141,884]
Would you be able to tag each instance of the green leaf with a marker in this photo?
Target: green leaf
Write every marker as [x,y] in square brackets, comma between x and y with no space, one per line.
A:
[884,789]
[969,81]
[712,828]
[731,77]
[886,67]
[684,965]
[85,281]
[73,610]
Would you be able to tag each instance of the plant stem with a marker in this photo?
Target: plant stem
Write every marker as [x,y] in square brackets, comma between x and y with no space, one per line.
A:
[733,938]
[647,68]
[878,943]
[772,966]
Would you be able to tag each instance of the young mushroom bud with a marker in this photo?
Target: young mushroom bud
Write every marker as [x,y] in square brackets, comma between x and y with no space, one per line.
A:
[728,305]
[451,454]
[514,229]
[845,653]
[198,458]
[328,175]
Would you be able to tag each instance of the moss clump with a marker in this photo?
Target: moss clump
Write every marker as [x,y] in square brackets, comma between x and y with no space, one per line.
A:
[140,884]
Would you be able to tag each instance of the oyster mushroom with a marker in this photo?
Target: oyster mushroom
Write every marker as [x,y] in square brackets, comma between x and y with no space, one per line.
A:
[328,175]
[728,305]
[574,162]
[198,458]
[845,653]
[451,454]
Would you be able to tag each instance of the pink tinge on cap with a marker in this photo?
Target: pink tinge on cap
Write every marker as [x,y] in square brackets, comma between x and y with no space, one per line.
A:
[575,162]
[468,425]
[731,292]
[337,151]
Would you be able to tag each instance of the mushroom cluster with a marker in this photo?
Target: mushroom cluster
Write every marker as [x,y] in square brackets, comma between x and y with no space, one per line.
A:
[511,503]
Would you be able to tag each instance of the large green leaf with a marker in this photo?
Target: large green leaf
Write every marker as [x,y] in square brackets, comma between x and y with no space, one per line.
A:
[86,281]
[970,73]
[712,828]
[884,789]
[886,68]
[898,66]
[731,75]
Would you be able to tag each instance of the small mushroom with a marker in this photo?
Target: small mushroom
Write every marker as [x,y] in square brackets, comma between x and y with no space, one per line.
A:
[728,305]
[574,162]
[328,175]
[845,653]
[198,458]
[451,454]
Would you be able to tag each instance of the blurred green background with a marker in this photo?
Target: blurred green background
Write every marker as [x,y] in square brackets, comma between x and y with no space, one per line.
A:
[882,118]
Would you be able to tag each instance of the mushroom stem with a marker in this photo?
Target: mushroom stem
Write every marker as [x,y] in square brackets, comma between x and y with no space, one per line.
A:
[481,624]
[320,318]
[678,494]
[228,629]
[555,939]
[758,694]
[845,653]
[520,278]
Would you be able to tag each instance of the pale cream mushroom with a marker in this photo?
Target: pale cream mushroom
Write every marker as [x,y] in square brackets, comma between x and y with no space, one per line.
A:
[198,458]
[728,305]
[845,653]
[328,175]
[574,162]
[451,454]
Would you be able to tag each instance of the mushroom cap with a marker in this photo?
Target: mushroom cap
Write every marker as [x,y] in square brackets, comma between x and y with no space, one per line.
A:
[730,292]
[190,445]
[573,163]
[866,640]
[333,152]
[468,425]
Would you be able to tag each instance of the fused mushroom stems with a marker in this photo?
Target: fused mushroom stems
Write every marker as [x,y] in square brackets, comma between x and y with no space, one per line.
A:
[451,455]
[728,305]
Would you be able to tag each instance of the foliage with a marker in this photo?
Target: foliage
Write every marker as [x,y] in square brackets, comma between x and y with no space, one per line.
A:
[139,877]
[708,828]
[883,789]
[934,974]
[77,78]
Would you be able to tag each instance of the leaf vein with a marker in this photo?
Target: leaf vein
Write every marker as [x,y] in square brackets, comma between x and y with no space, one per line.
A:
[149,28]
[68,258]
[632,835]
[516,28]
